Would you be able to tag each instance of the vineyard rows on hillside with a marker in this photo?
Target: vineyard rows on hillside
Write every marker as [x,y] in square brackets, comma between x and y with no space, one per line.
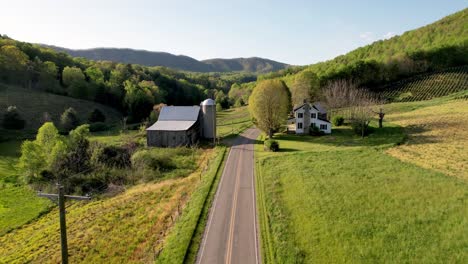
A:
[427,86]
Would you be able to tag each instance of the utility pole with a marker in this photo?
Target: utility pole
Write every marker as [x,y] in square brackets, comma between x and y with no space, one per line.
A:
[60,200]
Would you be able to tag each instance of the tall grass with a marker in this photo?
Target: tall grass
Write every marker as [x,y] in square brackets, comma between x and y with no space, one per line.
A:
[177,244]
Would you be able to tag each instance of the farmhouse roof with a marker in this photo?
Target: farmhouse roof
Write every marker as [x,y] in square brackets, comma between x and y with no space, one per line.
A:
[313,106]
[176,118]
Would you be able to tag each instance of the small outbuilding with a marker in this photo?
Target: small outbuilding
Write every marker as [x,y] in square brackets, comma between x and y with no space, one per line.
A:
[183,125]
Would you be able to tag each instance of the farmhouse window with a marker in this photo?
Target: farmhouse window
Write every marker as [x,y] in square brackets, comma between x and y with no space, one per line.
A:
[299,125]
[323,127]
[300,115]
[313,115]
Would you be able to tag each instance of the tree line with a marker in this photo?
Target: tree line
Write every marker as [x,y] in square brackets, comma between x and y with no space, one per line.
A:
[132,89]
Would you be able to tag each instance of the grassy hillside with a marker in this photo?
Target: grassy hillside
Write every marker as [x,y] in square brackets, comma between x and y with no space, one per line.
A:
[33,104]
[232,121]
[98,231]
[449,31]
[437,133]
[18,204]
[427,86]
[430,49]
[340,198]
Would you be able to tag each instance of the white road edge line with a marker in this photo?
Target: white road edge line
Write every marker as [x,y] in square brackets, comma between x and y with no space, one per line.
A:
[210,217]
[254,205]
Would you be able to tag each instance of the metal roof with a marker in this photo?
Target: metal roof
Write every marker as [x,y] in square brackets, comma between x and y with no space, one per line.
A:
[179,113]
[208,101]
[176,118]
[171,125]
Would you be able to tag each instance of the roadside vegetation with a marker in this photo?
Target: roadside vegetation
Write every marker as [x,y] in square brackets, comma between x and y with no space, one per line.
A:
[344,198]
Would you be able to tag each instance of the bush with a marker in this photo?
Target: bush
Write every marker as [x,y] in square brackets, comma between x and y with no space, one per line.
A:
[338,120]
[271,145]
[96,116]
[98,126]
[315,131]
[112,156]
[12,119]
[358,128]
[153,160]
[69,119]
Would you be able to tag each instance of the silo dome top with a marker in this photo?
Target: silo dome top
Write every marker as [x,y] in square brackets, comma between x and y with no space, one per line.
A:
[208,101]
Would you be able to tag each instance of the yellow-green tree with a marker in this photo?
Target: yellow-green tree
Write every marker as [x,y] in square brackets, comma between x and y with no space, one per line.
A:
[269,105]
[306,86]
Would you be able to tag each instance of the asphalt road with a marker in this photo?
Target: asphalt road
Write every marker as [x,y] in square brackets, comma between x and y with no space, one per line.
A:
[231,232]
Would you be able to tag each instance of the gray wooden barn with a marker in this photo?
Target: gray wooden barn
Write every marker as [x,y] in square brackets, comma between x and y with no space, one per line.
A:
[183,125]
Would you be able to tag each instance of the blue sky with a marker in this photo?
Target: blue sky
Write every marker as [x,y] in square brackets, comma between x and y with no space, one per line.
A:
[295,32]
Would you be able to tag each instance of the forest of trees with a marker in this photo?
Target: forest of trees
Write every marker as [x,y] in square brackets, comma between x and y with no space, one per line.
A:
[132,89]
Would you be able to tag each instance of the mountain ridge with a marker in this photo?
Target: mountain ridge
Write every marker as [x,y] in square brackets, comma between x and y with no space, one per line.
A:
[178,62]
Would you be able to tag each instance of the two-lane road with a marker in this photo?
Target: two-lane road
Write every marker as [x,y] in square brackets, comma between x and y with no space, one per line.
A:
[231,231]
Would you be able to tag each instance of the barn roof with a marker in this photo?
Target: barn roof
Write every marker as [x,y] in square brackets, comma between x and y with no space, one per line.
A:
[176,118]
[179,113]
[171,125]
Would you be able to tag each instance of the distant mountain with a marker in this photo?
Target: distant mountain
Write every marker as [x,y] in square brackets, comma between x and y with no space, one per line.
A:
[254,64]
[180,62]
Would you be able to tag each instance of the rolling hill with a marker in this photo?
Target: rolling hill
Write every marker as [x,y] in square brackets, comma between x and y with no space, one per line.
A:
[179,62]
[33,105]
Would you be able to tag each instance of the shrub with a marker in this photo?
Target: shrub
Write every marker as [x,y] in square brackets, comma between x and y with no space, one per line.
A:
[360,128]
[111,156]
[96,116]
[153,160]
[338,120]
[12,119]
[271,145]
[98,126]
[69,120]
[315,131]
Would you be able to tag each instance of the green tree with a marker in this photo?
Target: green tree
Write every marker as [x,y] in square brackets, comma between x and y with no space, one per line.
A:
[43,153]
[13,64]
[306,86]
[139,100]
[69,119]
[74,79]
[48,77]
[269,105]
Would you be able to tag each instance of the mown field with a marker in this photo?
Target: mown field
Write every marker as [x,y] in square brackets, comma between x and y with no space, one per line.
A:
[233,121]
[390,197]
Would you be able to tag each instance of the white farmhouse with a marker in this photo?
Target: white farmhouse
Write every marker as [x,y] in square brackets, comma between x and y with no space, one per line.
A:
[307,115]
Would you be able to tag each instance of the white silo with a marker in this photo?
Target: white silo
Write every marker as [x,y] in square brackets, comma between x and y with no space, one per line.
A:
[208,108]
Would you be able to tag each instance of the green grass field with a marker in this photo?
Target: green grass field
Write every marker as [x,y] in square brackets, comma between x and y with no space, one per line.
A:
[344,199]
[18,203]
[233,121]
